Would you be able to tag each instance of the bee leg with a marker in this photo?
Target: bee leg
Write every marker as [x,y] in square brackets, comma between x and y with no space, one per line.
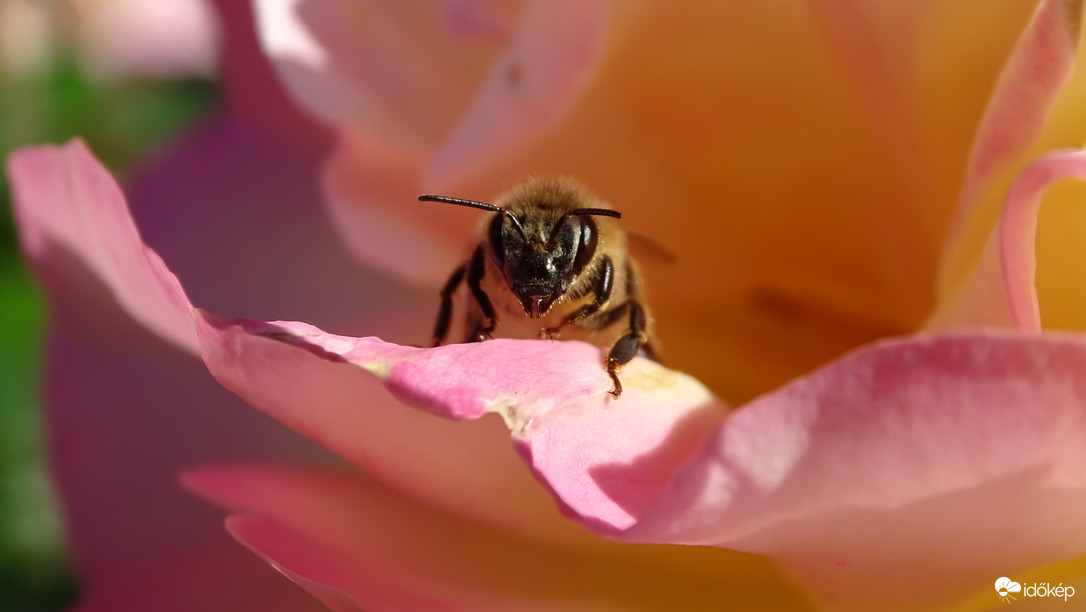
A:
[628,346]
[604,282]
[634,289]
[441,329]
[476,271]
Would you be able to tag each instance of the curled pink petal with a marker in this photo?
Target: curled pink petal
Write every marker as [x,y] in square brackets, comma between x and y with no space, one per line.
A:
[1018,231]
[535,386]
[1001,288]
[550,58]
[66,204]
[344,409]
[608,465]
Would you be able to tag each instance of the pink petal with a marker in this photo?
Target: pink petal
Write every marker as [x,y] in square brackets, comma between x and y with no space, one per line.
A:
[340,540]
[928,445]
[370,189]
[538,387]
[121,424]
[941,461]
[253,88]
[67,205]
[109,403]
[344,409]
[1018,231]
[387,68]
[125,417]
[535,386]
[303,558]
[537,77]
[1018,111]
[360,544]
[1001,288]
[492,20]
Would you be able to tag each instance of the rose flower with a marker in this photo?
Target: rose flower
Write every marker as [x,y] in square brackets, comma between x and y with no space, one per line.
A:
[860,408]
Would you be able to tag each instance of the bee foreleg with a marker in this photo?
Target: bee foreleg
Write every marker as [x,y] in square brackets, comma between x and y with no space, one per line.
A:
[476,272]
[604,283]
[628,346]
[441,329]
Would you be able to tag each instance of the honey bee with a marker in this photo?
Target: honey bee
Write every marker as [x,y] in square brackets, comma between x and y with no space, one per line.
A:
[552,262]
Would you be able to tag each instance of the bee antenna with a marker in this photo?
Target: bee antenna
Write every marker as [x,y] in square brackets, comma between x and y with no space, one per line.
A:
[474,204]
[599,212]
[584,212]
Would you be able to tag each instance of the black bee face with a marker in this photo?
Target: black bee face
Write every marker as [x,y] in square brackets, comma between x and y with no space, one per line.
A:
[540,260]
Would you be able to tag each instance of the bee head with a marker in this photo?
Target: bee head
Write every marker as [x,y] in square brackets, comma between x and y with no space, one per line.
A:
[539,254]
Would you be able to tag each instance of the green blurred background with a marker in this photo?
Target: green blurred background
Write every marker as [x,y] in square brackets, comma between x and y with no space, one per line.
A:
[121,120]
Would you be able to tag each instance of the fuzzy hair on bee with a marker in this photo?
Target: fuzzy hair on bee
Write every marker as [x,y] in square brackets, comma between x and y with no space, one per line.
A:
[552,262]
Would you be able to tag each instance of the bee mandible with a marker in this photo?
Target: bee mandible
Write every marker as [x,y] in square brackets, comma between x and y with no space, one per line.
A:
[552,262]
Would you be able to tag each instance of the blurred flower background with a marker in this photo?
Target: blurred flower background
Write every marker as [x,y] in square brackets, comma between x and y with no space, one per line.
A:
[127,76]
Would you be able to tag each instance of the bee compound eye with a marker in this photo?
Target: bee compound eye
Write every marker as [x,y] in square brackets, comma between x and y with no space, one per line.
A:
[586,245]
[494,236]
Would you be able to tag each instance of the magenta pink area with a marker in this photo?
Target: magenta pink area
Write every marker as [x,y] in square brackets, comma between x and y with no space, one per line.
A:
[126,410]
[217,576]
